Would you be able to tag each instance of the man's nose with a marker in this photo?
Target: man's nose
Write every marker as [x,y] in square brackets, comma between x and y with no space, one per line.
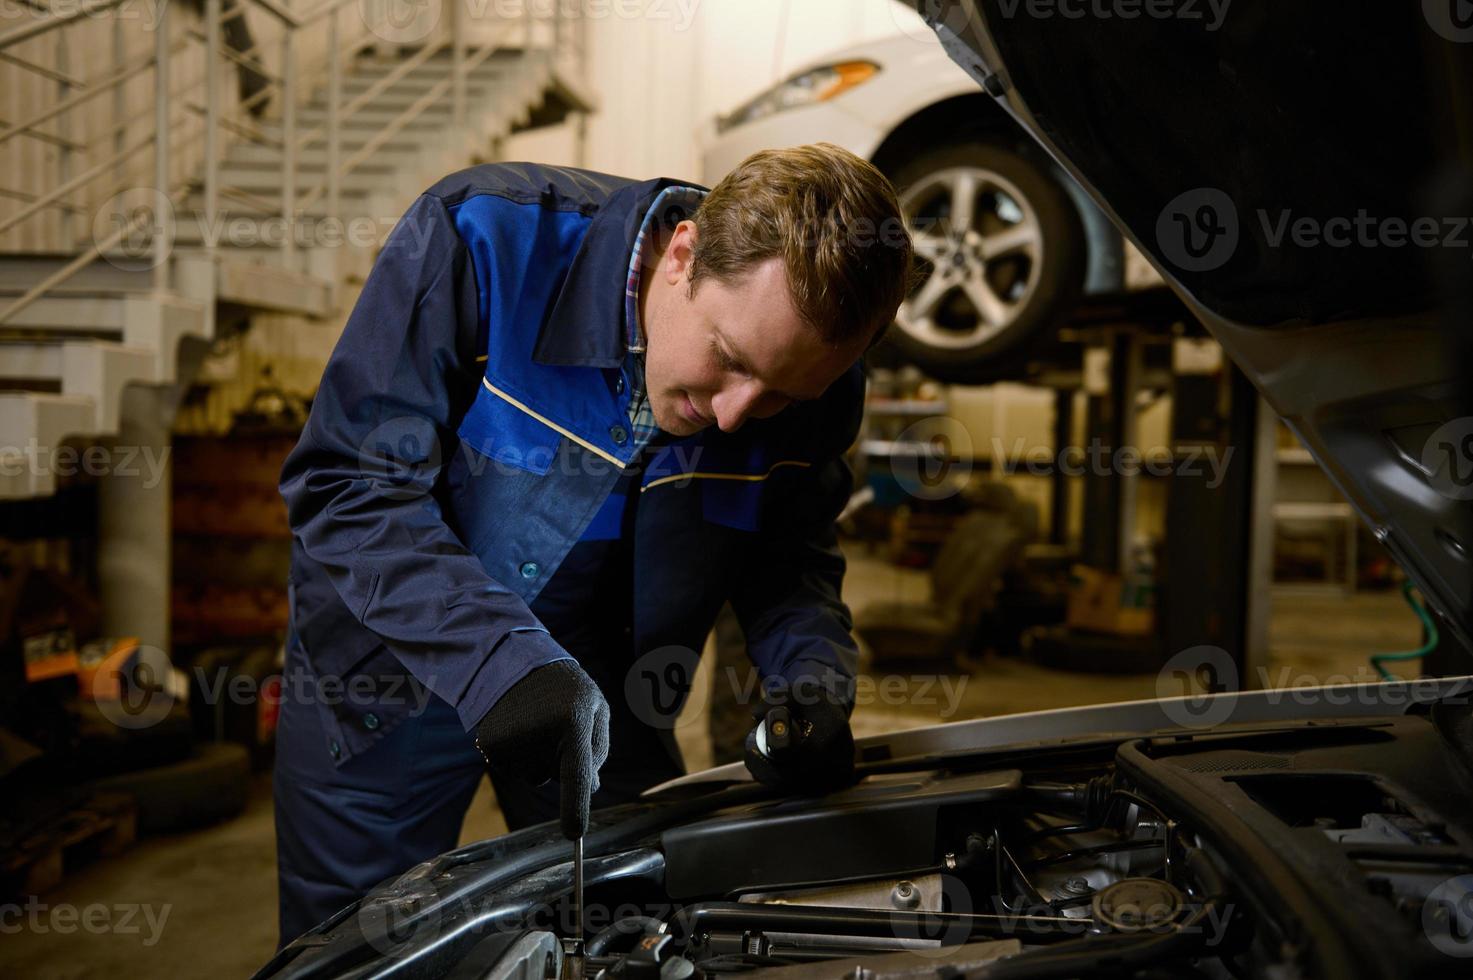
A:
[733,405]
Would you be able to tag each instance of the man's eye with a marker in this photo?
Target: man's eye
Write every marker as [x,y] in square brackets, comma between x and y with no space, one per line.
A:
[729,363]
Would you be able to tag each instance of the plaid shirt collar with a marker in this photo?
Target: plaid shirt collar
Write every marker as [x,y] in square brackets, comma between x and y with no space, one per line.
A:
[673,205]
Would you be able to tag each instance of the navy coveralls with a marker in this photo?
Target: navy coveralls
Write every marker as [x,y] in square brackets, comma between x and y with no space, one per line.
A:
[468,440]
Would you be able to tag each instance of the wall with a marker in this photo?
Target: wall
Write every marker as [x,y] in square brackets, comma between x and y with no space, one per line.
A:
[662,75]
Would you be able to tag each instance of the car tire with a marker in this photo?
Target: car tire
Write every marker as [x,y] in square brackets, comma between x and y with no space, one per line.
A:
[1034,277]
[210,785]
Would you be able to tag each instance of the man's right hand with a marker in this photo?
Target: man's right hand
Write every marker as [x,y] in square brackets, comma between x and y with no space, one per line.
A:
[551,724]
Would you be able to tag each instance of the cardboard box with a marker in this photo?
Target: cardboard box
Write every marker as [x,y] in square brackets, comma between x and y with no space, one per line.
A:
[1096,604]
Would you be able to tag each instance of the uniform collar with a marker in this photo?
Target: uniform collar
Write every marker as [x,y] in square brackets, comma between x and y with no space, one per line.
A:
[586,326]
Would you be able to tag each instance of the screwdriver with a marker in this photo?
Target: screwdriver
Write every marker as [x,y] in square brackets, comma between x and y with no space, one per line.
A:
[578,891]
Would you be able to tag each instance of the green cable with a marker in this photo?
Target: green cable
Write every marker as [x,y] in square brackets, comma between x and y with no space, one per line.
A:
[1377,659]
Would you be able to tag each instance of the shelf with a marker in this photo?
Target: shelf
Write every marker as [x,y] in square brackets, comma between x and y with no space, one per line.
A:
[905,406]
[1312,511]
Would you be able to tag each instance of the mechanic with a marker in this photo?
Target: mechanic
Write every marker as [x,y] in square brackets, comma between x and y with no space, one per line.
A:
[570,416]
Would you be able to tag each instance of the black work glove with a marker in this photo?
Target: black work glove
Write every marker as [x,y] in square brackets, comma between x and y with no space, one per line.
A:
[802,742]
[551,724]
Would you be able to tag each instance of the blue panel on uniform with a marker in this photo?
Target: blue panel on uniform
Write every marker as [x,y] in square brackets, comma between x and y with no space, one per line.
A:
[494,427]
[608,523]
[733,503]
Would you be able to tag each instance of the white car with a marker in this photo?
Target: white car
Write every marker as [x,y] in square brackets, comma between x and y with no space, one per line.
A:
[1006,243]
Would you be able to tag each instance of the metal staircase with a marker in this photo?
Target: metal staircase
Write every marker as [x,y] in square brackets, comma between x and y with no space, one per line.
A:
[200,179]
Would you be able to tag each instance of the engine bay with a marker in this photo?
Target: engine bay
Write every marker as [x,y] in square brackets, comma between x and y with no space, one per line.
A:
[1319,849]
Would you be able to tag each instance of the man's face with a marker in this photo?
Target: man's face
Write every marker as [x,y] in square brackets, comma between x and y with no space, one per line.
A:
[729,352]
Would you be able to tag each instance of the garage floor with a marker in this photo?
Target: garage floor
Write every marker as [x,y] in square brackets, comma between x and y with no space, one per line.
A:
[204,904]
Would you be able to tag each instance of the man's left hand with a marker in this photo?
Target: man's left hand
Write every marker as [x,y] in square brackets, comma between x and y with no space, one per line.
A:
[802,742]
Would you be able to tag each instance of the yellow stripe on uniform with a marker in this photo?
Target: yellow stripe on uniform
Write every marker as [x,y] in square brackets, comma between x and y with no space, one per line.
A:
[552,425]
[750,477]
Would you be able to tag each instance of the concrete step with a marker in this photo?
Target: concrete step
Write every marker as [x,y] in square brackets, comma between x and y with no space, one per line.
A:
[95,369]
[32,424]
[359,123]
[385,165]
[411,86]
[258,278]
[393,155]
[22,271]
[77,311]
[381,109]
[263,181]
[498,63]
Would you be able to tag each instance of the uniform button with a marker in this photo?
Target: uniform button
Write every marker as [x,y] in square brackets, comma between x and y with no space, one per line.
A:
[335,748]
[618,386]
[529,569]
[370,721]
[619,434]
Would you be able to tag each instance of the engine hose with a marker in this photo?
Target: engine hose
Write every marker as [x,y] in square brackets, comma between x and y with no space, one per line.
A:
[634,925]
[1429,629]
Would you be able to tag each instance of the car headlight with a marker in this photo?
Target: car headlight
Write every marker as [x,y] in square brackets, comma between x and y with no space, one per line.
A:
[806,88]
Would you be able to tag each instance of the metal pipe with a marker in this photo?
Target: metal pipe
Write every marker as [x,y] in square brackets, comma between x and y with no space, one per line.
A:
[696,920]
[288,140]
[265,205]
[251,131]
[71,185]
[388,131]
[162,56]
[212,110]
[334,127]
[86,258]
[53,21]
[402,69]
[457,64]
[42,70]
[120,102]
[66,160]
[27,198]
[138,67]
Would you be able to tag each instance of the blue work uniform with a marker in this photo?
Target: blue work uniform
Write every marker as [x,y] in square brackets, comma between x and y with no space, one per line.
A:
[473,497]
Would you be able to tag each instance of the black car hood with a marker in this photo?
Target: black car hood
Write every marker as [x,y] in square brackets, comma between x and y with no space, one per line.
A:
[1300,175]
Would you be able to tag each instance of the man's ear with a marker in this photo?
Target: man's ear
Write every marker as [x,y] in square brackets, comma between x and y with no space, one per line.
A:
[679,253]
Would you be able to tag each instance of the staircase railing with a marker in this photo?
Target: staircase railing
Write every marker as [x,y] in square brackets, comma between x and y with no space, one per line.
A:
[133,210]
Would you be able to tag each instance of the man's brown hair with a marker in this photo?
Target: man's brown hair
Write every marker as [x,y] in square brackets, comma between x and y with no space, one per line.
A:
[832,218]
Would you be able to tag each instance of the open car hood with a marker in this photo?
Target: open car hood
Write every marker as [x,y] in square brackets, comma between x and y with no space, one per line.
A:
[1301,178]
